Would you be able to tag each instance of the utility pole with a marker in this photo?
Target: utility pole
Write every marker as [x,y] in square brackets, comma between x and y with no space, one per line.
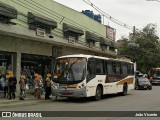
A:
[134,33]
[103,19]
[132,39]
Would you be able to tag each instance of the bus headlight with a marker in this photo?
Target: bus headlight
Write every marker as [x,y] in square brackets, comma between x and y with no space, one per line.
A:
[81,85]
[55,84]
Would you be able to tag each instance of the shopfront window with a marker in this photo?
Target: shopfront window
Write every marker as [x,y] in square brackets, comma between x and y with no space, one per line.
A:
[31,64]
[5,62]
[5,65]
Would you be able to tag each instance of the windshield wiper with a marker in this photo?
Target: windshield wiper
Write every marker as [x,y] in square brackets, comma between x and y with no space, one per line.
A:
[71,71]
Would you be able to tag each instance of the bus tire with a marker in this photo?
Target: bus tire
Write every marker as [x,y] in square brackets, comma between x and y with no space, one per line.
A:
[70,98]
[136,88]
[125,90]
[98,93]
[150,88]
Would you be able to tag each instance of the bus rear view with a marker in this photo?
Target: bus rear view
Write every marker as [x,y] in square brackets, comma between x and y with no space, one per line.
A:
[154,75]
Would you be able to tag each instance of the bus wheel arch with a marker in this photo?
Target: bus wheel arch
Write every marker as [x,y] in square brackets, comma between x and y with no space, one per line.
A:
[125,89]
[99,92]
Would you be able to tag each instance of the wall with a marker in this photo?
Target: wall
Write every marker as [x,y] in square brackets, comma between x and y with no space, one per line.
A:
[57,12]
[13,44]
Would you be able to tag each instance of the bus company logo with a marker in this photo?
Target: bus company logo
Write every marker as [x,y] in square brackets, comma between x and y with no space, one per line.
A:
[6,114]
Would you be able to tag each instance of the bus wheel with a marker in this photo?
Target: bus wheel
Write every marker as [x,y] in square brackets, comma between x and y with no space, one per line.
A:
[125,89]
[136,88]
[70,98]
[98,93]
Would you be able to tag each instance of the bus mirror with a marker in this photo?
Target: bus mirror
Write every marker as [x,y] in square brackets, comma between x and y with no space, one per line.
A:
[90,77]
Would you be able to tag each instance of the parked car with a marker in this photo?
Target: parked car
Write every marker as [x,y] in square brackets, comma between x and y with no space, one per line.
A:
[143,83]
[138,74]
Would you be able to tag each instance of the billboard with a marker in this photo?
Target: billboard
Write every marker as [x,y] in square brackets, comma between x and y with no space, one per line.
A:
[110,33]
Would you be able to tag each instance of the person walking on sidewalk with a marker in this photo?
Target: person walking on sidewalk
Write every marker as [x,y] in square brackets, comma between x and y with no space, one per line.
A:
[22,85]
[38,86]
[35,84]
[48,84]
[12,85]
[6,89]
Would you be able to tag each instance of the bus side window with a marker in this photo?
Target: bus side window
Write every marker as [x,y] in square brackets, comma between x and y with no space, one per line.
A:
[118,68]
[99,67]
[124,68]
[109,67]
[105,67]
[90,70]
[113,67]
[130,69]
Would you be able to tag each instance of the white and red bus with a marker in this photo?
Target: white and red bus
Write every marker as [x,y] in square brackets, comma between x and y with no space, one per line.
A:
[87,75]
[154,75]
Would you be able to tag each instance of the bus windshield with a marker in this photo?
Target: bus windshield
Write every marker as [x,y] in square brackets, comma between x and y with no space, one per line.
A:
[155,72]
[69,70]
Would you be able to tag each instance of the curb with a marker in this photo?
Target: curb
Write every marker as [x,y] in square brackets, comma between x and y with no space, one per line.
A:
[19,102]
[6,101]
[29,100]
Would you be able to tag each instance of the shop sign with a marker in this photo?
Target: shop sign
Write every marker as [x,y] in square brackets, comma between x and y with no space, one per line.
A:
[110,33]
[71,39]
[40,32]
[56,51]
[91,44]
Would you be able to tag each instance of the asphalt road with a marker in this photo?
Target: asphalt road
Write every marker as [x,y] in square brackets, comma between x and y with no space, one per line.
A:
[136,100]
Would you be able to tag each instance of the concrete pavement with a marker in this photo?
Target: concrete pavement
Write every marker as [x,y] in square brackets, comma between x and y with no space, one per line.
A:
[28,100]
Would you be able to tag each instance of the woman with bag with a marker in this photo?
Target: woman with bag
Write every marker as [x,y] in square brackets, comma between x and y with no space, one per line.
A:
[12,85]
[22,85]
[48,84]
[6,89]
[38,86]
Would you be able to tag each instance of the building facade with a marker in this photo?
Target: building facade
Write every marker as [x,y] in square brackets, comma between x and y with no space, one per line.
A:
[33,32]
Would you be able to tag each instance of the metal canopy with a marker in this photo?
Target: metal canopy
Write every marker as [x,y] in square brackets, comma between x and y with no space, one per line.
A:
[8,11]
[113,44]
[37,19]
[73,29]
[104,41]
[92,37]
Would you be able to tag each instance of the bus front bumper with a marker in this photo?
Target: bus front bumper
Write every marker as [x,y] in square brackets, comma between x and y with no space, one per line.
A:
[155,81]
[69,92]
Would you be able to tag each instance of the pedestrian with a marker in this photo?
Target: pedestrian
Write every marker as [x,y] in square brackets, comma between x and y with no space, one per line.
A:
[2,82]
[48,84]
[38,86]
[35,84]
[6,89]
[12,85]
[22,85]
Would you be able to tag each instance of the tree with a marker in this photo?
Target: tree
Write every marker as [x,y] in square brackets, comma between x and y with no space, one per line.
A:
[148,53]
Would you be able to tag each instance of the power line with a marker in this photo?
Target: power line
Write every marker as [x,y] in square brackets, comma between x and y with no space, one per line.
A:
[154,0]
[29,7]
[108,16]
[52,14]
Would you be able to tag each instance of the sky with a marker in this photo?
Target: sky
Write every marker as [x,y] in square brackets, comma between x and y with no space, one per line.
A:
[136,13]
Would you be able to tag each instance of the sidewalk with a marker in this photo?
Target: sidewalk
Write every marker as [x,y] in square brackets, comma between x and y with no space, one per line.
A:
[29,100]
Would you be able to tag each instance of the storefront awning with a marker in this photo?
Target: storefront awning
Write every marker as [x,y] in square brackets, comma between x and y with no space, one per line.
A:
[92,37]
[7,11]
[40,20]
[113,44]
[70,28]
[104,41]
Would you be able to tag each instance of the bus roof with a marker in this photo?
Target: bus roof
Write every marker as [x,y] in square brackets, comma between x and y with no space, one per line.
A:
[155,68]
[92,56]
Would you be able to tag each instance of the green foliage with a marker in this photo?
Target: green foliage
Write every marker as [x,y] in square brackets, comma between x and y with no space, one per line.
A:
[148,53]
